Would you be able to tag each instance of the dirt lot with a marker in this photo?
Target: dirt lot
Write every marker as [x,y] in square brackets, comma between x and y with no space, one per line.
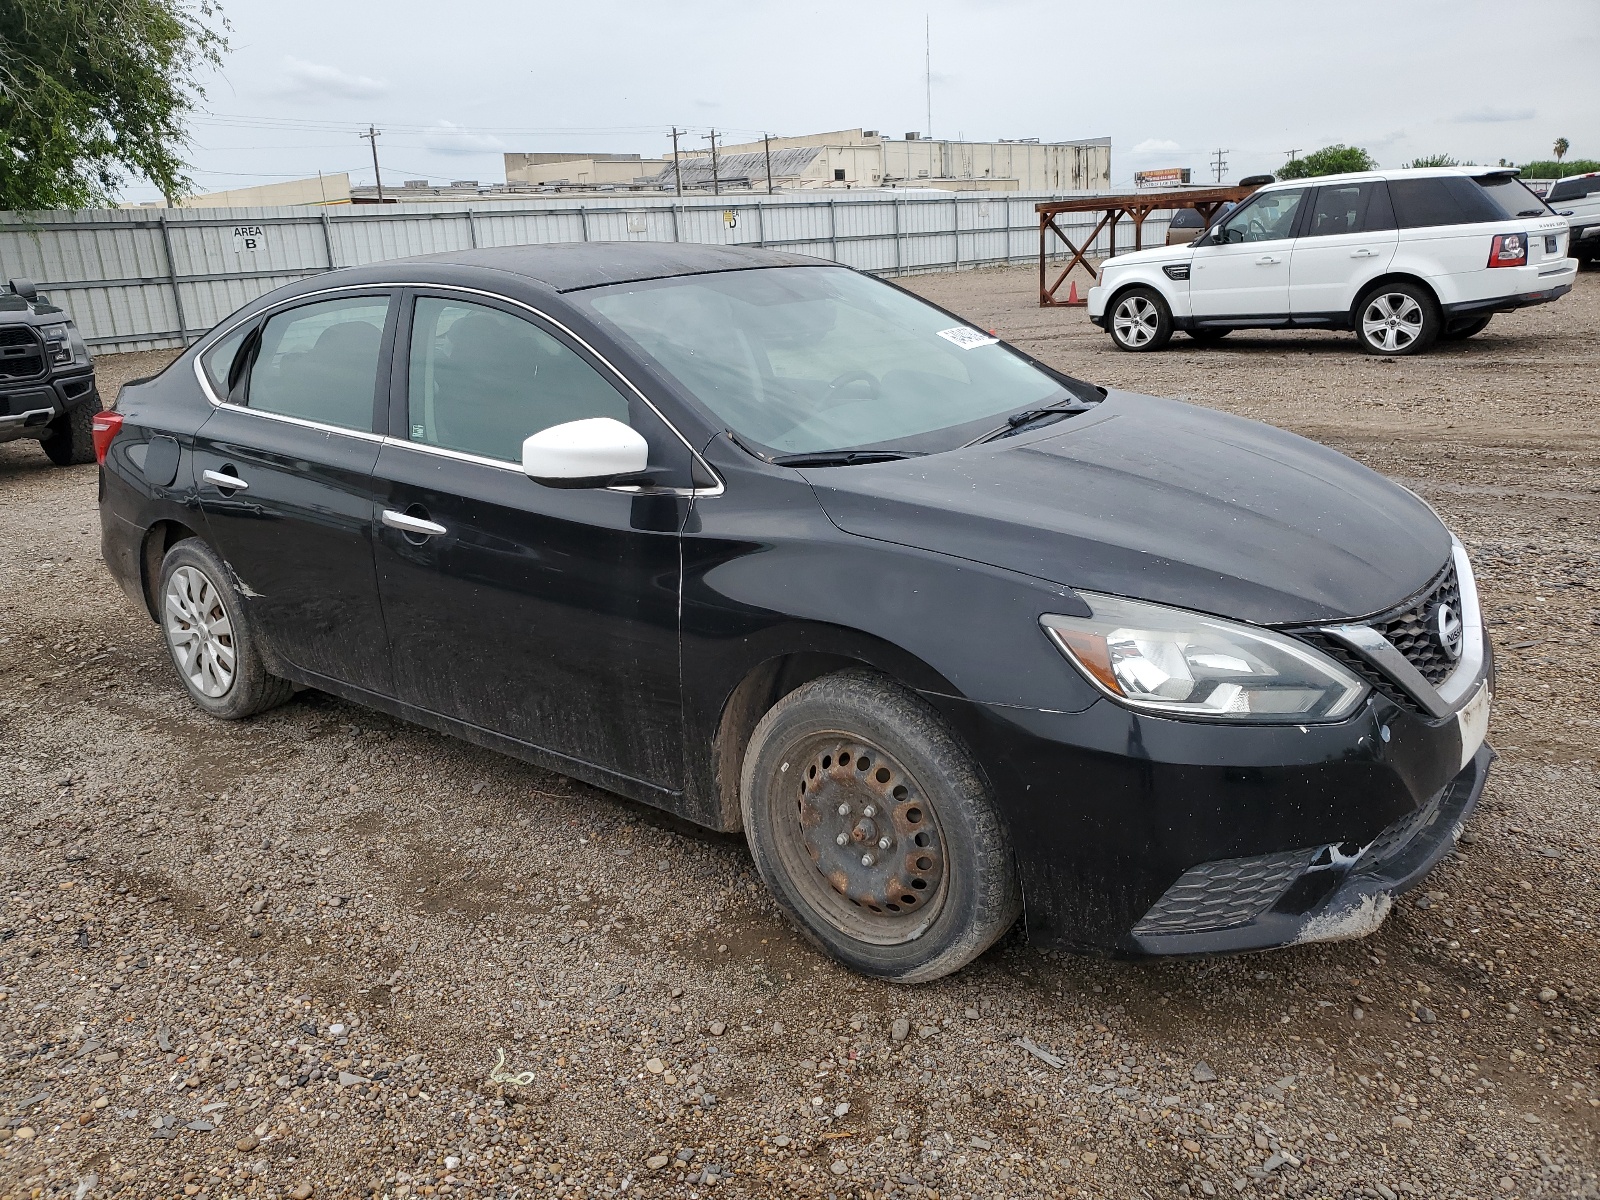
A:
[323,951]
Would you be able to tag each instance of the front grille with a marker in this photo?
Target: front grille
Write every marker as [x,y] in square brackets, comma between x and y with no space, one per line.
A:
[1223,894]
[21,353]
[1375,678]
[1413,632]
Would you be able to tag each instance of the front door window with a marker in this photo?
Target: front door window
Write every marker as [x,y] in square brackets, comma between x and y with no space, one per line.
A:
[1265,217]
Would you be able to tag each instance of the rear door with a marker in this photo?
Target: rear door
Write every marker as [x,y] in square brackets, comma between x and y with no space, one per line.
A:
[284,474]
[546,615]
[1244,272]
[1348,240]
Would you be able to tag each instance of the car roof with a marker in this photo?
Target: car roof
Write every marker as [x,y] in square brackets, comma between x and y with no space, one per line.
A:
[570,266]
[1392,173]
[1581,175]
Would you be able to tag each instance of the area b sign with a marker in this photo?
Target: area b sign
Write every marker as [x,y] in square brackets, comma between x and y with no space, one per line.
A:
[247,239]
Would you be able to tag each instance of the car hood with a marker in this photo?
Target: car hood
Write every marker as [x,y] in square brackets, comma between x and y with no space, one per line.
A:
[1156,254]
[1162,501]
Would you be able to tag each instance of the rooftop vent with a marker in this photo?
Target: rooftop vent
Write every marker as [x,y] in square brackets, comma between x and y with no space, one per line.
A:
[464,183]
[866,133]
[913,137]
[415,183]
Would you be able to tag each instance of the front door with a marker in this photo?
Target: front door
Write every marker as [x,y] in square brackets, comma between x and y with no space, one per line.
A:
[1243,270]
[1347,241]
[545,615]
[284,475]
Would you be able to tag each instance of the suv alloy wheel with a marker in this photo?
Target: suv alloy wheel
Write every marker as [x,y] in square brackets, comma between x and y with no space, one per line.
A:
[1395,319]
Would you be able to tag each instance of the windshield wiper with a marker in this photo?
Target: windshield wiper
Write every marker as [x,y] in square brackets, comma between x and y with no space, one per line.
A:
[840,458]
[1017,422]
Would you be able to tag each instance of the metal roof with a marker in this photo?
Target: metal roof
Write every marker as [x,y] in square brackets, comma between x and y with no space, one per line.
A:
[786,164]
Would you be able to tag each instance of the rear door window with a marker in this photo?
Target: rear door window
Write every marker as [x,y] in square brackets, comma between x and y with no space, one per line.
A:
[319,362]
[482,380]
[1348,208]
[1573,189]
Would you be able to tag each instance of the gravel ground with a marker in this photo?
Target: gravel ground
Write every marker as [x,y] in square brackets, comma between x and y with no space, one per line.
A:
[322,952]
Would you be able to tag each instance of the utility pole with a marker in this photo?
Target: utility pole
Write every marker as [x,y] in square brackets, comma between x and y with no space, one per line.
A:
[677,173]
[372,136]
[766,141]
[927,65]
[1219,164]
[1292,154]
[716,182]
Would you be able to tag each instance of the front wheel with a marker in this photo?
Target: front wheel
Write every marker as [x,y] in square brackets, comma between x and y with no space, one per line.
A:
[1140,320]
[1465,329]
[1396,319]
[209,638]
[70,442]
[873,827]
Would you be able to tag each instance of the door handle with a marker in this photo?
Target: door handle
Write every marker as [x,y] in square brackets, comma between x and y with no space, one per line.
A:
[1266,260]
[409,524]
[226,481]
[1363,253]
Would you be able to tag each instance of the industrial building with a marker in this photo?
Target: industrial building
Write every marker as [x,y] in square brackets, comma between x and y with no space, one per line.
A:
[854,158]
[582,170]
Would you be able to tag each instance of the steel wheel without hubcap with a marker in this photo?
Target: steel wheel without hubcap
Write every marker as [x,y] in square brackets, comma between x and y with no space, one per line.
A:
[1136,321]
[1393,321]
[199,631]
[862,842]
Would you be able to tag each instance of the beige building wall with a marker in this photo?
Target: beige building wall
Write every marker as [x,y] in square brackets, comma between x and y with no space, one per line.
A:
[586,171]
[323,189]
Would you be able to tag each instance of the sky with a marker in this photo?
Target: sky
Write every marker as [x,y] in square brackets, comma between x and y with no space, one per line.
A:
[454,85]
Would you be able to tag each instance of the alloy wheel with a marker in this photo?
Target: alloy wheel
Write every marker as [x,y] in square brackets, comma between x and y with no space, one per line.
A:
[1136,321]
[200,632]
[1392,321]
[860,839]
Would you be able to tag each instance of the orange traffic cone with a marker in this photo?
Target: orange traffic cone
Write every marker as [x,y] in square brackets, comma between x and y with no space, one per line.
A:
[1072,297]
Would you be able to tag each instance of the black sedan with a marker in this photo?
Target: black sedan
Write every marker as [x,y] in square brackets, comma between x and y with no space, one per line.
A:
[779,547]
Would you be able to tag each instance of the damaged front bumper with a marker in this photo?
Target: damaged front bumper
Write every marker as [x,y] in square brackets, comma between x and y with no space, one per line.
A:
[1318,894]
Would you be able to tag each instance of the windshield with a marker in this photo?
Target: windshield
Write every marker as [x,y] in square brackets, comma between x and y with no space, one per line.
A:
[810,359]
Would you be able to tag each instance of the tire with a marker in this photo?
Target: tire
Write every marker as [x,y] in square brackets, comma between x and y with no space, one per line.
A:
[1396,319]
[70,442]
[1462,331]
[208,636]
[1139,320]
[1206,336]
[945,887]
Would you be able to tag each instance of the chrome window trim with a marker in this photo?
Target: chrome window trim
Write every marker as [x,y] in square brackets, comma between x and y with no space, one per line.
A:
[204,347]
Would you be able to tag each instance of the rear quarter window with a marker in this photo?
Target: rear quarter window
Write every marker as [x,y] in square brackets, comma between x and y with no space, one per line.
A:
[1450,200]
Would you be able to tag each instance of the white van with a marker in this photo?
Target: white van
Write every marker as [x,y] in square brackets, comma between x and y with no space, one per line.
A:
[1403,258]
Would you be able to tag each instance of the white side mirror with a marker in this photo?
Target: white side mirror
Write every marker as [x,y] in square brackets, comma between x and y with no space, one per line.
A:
[584,454]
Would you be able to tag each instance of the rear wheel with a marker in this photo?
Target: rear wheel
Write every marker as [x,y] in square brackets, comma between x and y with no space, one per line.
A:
[873,828]
[1396,319]
[70,442]
[209,637]
[1462,330]
[1140,320]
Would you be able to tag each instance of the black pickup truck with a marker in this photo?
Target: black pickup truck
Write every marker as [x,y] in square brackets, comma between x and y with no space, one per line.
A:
[47,389]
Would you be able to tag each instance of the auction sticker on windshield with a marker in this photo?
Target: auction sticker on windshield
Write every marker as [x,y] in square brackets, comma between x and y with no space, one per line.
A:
[967,339]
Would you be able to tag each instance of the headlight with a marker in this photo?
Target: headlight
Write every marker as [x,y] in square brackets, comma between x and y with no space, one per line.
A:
[63,347]
[1186,664]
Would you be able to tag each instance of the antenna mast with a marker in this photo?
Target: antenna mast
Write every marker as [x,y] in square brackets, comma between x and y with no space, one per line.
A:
[927,65]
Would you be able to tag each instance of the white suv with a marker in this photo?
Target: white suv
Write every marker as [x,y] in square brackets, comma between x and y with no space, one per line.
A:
[1401,257]
[1577,197]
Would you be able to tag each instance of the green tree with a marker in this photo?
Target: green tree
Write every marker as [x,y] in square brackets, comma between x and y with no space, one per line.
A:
[1434,160]
[1549,168]
[1561,147]
[93,91]
[1330,160]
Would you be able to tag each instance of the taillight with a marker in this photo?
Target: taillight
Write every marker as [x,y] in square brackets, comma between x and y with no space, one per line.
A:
[106,426]
[1509,250]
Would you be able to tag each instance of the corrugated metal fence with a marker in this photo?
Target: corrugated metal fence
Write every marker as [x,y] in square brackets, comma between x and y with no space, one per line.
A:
[139,279]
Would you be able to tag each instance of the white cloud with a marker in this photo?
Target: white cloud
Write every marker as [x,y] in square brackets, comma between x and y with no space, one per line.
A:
[1156,146]
[1493,116]
[330,81]
[446,137]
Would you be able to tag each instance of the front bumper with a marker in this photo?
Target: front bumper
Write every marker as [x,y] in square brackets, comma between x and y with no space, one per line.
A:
[1109,810]
[27,409]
